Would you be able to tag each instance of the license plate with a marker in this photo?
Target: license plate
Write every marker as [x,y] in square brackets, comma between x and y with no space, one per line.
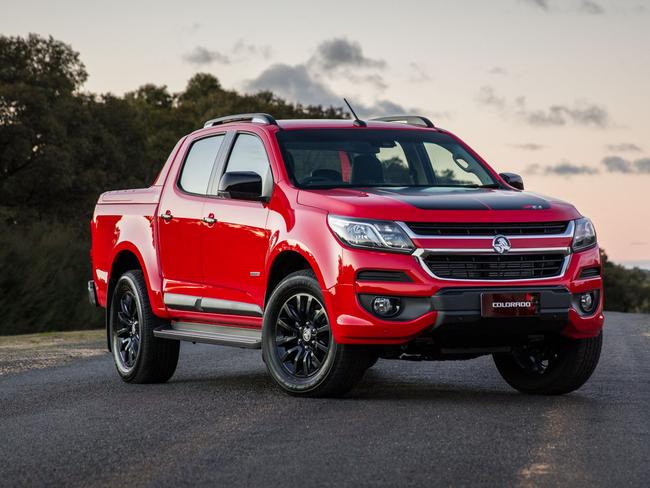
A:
[509,304]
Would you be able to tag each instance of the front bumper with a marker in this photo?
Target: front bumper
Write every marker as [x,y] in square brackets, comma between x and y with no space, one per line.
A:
[454,306]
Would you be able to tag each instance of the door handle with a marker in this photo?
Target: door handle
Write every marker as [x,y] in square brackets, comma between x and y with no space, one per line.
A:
[167,216]
[209,220]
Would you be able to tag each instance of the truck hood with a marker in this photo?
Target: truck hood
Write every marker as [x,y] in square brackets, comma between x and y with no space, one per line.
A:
[439,204]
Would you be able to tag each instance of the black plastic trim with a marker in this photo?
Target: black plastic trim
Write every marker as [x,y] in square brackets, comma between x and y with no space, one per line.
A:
[381,275]
[590,272]
[92,294]
[462,305]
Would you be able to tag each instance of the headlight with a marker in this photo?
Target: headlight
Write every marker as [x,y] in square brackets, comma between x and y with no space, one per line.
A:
[584,235]
[371,234]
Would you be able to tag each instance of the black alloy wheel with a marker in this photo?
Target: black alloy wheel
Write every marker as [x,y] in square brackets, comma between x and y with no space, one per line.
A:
[303,335]
[298,343]
[126,330]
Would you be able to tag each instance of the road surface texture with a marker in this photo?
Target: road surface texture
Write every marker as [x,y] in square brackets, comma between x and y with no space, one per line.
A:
[221,422]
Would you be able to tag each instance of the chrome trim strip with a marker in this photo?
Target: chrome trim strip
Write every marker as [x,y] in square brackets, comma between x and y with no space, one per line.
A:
[419,253]
[179,301]
[567,234]
[522,250]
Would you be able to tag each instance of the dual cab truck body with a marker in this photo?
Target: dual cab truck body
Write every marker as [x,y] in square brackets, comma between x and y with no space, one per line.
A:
[331,243]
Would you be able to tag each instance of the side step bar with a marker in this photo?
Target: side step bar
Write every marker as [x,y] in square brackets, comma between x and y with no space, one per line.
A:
[212,334]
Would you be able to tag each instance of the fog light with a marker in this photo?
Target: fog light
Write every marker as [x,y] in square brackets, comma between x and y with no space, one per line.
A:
[587,302]
[386,306]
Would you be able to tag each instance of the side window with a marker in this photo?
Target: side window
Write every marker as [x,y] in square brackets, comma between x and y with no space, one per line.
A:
[248,154]
[198,165]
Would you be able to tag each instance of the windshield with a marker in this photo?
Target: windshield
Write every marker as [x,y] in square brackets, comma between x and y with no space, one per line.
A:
[327,158]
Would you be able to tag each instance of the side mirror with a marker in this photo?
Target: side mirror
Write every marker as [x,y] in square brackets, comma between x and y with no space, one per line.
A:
[241,185]
[513,180]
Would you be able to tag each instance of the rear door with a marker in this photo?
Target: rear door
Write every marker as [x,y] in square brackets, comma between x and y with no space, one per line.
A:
[180,221]
[234,248]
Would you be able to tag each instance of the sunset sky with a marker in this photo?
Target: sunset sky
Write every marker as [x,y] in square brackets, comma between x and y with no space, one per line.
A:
[554,90]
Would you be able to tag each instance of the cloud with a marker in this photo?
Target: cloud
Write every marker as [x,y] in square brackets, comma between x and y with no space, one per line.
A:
[294,83]
[240,51]
[623,147]
[307,82]
[529,146]
[570,169]
[612,164]
[543,4]
[581,113]
[487,96]
[498,70]
[342,53]
[643,165]
[564,168]
[418,74]
[202,56]
[617,164]
[590,7]
[297,84]
[244,49]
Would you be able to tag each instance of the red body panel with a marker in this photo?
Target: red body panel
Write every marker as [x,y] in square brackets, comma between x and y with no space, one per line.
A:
[231,259]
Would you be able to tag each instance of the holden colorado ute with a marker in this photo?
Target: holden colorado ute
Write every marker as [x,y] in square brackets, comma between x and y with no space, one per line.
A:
[329,244]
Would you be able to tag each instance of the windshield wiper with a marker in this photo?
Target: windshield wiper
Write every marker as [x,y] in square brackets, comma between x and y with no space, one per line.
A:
[487,185]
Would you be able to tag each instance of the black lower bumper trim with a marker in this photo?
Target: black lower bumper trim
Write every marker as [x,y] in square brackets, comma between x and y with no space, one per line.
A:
[459,306]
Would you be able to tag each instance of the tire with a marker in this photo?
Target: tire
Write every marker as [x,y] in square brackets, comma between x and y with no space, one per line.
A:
[372,359]
[293,305]
[139,356]
[555,368]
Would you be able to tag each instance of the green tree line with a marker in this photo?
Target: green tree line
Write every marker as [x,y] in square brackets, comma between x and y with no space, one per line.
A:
[60,147]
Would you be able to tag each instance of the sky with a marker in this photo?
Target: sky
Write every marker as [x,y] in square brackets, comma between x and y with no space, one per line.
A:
[556,91]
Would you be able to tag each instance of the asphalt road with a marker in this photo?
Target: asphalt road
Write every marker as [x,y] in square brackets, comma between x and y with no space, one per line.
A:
[221,422]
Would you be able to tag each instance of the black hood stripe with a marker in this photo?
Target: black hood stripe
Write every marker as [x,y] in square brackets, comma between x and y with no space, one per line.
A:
[464,198]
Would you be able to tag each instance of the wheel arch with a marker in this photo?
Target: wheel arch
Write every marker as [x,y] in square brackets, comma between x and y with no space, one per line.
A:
[284,263]
[125,258]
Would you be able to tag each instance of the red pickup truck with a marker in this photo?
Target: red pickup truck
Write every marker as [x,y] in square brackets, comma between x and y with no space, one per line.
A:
[329,244]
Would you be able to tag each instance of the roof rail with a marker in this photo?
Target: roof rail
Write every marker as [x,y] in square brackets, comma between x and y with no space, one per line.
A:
[408,119]
[260,118]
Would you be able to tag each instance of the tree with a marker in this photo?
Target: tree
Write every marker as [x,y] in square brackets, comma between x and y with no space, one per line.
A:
[39,79]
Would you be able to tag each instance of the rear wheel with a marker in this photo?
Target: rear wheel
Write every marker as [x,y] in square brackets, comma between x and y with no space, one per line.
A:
[298,346]
[553,367]
[139,356]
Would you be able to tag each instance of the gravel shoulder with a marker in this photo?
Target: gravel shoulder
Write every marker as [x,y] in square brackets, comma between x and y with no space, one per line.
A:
[45,350]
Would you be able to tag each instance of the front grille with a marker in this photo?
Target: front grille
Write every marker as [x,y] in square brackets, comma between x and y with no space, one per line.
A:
[488,229]
[495,267]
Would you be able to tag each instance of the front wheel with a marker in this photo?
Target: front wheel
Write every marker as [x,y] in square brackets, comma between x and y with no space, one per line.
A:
[553,367]
[298,347]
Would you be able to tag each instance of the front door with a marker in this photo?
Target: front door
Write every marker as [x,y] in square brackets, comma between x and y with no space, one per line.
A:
[180,221]
[234,247]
